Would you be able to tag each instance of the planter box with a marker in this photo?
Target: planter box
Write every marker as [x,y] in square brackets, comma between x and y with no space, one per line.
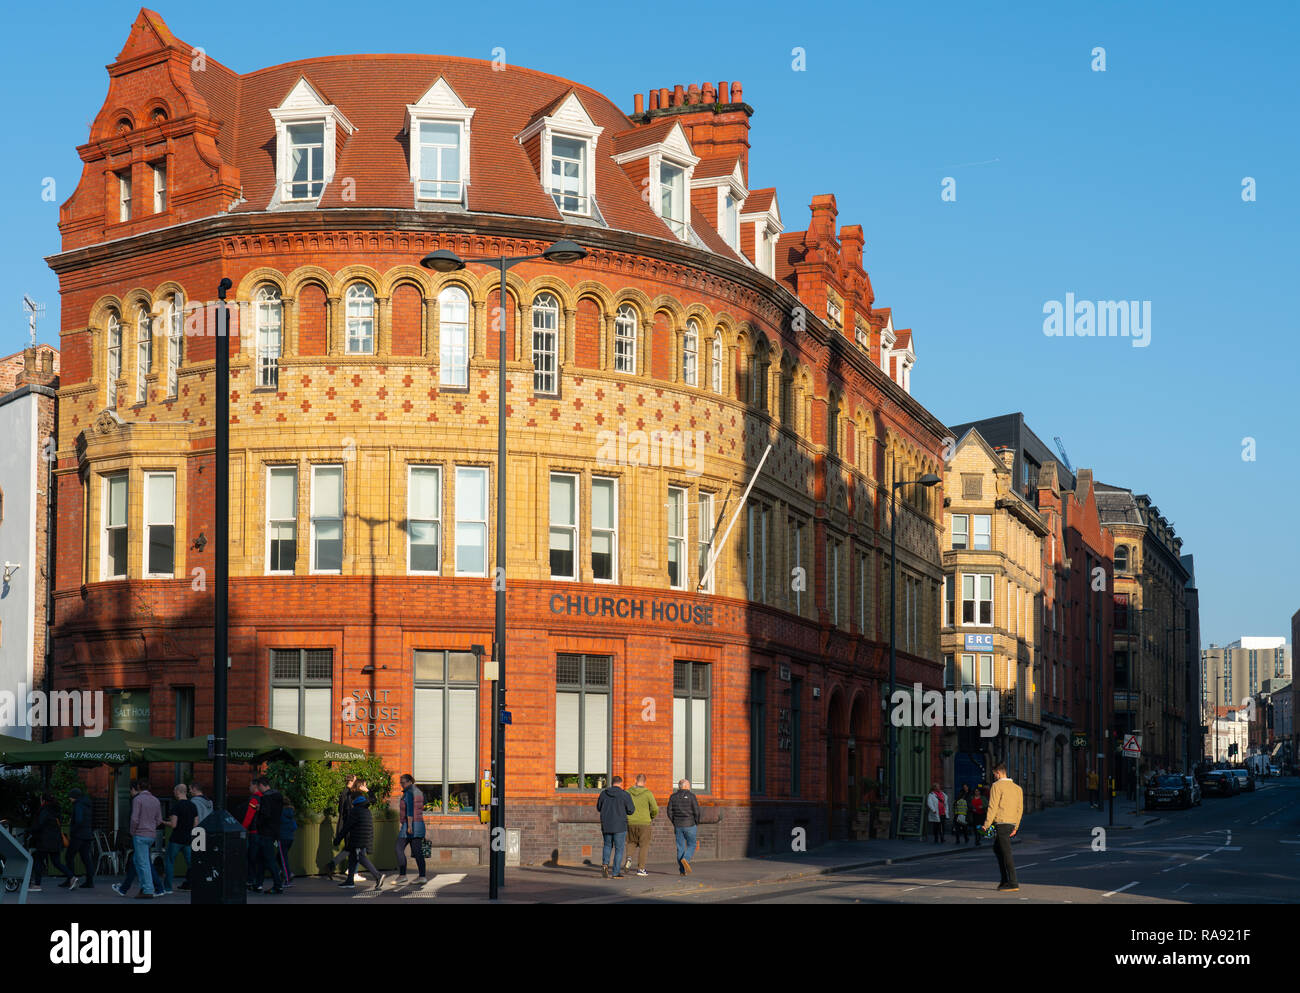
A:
[311,848]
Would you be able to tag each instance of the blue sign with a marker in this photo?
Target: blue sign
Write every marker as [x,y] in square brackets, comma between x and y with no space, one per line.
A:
[979,642]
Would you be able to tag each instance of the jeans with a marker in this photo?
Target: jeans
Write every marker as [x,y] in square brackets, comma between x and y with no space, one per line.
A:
[284,859]
[174,848]
[618,841]
[143,865]
[685,844]
[38,865]
[268,859]
[85,849]
[356,855]
[417,852]
[1002,849]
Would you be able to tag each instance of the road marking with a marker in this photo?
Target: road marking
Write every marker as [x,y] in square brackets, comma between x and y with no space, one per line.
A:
[1288,841]
[1029,866]
[1121,889]
[1182,887]
[1062,858]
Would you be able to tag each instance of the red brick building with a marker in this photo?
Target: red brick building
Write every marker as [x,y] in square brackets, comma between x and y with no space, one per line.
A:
[645,384]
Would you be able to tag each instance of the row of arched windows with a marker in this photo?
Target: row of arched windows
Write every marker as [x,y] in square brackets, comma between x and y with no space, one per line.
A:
[171,324]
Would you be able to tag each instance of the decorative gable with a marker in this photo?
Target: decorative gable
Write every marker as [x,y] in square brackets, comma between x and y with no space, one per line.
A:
[438,126]
[305,156]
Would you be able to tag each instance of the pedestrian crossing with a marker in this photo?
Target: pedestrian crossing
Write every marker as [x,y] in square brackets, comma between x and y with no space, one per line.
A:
[412,890]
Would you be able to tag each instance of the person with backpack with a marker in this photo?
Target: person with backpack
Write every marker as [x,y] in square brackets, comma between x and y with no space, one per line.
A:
[47,843]
[270,811]
[358,831]
[81,838]
[937,805]
[961,816]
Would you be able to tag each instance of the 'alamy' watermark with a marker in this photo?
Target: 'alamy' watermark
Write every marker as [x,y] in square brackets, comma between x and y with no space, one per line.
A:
[1099,319]
[920,707]
[657,449]
[77,709]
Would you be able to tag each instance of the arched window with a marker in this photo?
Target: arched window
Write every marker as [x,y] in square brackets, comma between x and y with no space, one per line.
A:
[546,341]
[691,354]
[114,357]
[144,352]
[625,340]
[758,377]
[269,316]
[453,336]
[360,320]
[787,398]
[175,342]
[717,363]
[833,424]
[1121,558]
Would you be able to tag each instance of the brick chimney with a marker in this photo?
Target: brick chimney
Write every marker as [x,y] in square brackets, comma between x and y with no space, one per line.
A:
[1008,456]
[716,128]
[821,227]
[851,246]
[40,366]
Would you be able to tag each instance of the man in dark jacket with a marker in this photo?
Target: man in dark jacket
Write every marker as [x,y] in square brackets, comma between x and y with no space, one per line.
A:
[270,809]
[359,828]
[615,805]
[81,837]
[344,808]
[684,816]
[47,843]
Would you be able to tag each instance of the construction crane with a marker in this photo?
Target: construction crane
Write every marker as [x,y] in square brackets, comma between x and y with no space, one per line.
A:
[1060,447]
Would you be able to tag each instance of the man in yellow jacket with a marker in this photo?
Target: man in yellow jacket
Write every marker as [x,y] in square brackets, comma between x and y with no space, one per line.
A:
[1006,805]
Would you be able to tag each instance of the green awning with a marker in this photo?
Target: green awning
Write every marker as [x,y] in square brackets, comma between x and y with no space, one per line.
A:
[114,747]
[255,744]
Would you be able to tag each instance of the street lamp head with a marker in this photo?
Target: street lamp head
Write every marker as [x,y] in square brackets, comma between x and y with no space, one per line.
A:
[564,252]
[443,261]
[929,479]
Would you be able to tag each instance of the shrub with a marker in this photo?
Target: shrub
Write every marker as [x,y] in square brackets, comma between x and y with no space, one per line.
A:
[64,777]
[378,778]
[309,787]
[20,796]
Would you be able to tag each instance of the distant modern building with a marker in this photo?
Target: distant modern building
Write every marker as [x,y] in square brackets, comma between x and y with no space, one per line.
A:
[1233,672]
[29,381]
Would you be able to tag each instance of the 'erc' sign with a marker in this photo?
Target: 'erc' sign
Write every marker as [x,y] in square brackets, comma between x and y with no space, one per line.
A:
[979,642]
[632,608]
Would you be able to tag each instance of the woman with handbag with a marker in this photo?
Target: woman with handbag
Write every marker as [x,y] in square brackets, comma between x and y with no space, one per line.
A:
[48,840]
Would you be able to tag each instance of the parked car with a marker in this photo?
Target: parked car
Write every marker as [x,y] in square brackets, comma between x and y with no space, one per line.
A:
[1194,790]
[1168,791]
[1245,778]
[1274,771]
[1220,782]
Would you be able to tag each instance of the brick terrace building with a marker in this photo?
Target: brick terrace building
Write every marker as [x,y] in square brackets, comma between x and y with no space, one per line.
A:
[645,383]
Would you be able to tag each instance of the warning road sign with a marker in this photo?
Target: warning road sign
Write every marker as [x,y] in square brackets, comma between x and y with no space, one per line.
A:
[1133,744]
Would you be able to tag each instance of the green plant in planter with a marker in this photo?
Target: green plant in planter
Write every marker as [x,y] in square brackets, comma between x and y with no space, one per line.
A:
[453,804]
[311,788]
[379,779]
[64,777]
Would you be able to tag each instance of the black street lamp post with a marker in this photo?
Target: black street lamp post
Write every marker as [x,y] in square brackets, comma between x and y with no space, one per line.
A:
[929,479]
[444,261]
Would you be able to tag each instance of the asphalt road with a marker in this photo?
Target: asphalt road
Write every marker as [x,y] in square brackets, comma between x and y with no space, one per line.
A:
[1243,849]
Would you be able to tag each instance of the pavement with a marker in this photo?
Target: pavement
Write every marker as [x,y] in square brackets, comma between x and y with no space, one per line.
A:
[584,883]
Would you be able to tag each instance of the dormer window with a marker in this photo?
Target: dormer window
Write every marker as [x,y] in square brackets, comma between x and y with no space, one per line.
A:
[438,124]
[761,210]
[569,175]
[731,220]
[672,197]
[562,138]
[723,179]
[306,139]
[660,157]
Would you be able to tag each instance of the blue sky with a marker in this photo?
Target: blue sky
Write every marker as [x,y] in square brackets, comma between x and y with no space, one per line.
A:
[1117,185]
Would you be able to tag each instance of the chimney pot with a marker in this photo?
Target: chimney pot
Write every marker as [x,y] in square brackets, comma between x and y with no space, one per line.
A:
[638,104]
[737,94]
[708,94]
[723,90]
[679,95]
[663,98]
[693,94]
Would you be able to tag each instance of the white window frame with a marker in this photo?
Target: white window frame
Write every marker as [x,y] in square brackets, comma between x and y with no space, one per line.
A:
[175,342]
[271,471]
[674,210]
[949,600]
[315,520]
[561,196]
[440,104]
[975,532]
[268,303]
[625,341]
[691,353]
[143,352]
[612,532]
[435,520]
[124,195]
[715,361]
[704,528]
[114,371]
[572,529]
[105,527]
[977,599]
[304,105]
[159,187]
[453,350]
[483,521]
[546,344]
[148,525]
[360,294]
[679,541]
[315,154]
[965,531]
[421,181]
[833,578]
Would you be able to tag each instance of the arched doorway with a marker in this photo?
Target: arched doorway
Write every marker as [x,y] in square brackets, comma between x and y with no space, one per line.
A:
[858,769]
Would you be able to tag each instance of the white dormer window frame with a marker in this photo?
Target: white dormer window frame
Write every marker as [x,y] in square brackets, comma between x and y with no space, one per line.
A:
[767,231]
[305,106]
[440,104]
[906,360]
[732,186]
[887,339]
[571,122]
[674,152]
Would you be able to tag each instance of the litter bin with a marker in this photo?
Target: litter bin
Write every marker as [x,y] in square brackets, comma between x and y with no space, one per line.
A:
[220,873]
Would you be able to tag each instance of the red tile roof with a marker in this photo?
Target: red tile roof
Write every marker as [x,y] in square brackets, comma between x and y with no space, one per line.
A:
[759,200]
[716,168]
[650,134]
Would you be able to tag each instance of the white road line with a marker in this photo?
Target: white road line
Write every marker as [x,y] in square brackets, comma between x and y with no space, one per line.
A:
[1121,889]
[1182,887]
[1288,841]
[1062,858]
[1029,866]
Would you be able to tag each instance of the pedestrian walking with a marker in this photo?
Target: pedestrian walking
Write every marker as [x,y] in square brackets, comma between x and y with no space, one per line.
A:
[1006,806]
[359,830]
[961,816]
[342,809]
[47,843]
[146,818]
[937,805]
[978,807]
[183,817]
[1092,789]
[684,816]
[200,801]
[270,811]
[249,822]
[410,832]
[640,823]
[288,828]
[615,806]
[81,838]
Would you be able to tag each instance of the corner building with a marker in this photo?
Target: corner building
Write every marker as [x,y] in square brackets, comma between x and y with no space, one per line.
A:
[645,383]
